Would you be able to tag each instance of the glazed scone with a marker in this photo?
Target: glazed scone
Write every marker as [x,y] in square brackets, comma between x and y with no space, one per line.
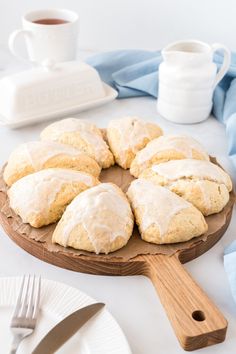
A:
[202,183]
[98,220]
[83,135]
[165,148]
[41,197]
[128,135]
[39,155]
[163,216]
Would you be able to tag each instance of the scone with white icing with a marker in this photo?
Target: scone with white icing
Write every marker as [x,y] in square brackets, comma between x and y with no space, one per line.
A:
[83,135]
[98,220]
[166,148]
[202,183]
[38,155]
[128,135]
[41,197]
[163,216]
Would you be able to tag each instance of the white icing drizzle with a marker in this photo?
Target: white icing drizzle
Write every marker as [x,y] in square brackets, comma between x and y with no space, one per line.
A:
[132,132]
[190,168]
[183,144]
[36,192]
[205,195]
[201,185]
[158,204]
[104,214]
[88,132]
[39,152]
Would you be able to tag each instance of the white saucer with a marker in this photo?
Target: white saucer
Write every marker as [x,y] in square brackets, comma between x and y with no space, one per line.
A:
[110,95]
[101,335]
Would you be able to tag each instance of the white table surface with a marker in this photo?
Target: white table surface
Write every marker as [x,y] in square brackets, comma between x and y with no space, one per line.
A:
[132,300]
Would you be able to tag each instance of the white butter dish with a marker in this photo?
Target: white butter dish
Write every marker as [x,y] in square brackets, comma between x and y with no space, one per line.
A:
[43,93]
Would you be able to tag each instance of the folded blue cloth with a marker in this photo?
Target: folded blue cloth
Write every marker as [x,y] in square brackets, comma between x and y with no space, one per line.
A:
[135,73]
[230,266]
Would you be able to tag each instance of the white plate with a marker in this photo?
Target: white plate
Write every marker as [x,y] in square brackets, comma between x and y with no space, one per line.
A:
[110,95]
[101,335]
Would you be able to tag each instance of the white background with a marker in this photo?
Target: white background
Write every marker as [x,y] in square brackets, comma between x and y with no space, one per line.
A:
[133,300]
[149,24]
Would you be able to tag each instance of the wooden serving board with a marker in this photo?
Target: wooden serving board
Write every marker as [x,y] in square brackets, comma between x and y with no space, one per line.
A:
[195,319]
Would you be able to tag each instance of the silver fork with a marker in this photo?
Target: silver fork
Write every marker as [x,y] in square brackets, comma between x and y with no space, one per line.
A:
[25,315]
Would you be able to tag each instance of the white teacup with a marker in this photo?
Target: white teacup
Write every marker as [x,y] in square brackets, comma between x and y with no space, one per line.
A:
[50,35]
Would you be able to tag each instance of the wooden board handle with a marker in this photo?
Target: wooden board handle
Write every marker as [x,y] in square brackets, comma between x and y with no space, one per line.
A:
[195,319]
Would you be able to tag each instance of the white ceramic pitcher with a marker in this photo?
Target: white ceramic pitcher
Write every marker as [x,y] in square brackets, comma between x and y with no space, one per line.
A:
[187,78]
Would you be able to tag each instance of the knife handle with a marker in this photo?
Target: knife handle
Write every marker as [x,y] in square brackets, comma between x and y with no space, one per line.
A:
[195,319]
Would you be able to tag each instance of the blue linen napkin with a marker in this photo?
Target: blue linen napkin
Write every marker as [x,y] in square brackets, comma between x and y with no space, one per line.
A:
[135,73]
[230,266]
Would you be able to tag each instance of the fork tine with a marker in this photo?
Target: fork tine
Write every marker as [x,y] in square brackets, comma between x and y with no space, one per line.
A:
[24,319]
[37,299]
[25,299]
[18,303]
[31,297]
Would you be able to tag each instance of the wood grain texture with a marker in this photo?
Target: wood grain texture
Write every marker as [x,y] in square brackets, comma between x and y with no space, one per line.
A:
[195,319]
[178,292]
[94,264]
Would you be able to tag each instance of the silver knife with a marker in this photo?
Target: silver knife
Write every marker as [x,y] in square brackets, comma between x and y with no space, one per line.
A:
[65,329]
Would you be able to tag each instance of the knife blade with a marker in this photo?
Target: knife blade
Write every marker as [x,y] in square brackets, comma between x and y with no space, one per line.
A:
[65,329]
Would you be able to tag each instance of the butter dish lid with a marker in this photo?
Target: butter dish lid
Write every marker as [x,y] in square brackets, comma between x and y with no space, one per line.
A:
[52,90]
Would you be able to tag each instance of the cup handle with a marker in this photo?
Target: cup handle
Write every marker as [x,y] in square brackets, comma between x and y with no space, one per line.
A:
[226,62]
[12,40]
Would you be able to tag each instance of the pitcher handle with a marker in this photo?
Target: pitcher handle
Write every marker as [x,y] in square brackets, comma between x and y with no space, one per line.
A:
[226,62]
